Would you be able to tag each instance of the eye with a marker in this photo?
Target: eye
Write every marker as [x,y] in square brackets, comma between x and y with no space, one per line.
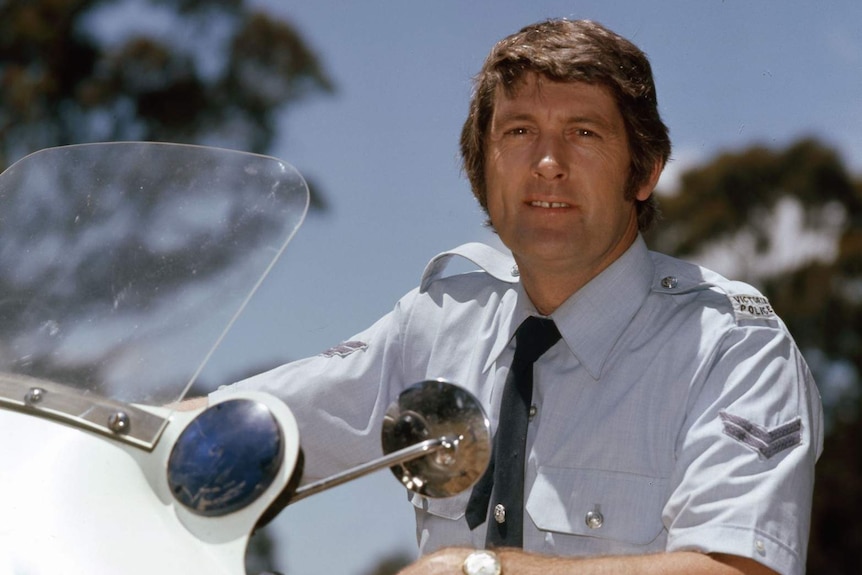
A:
[584,133]
[518,131]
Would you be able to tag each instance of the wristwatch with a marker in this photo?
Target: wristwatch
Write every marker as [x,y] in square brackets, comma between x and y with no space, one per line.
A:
[482,562]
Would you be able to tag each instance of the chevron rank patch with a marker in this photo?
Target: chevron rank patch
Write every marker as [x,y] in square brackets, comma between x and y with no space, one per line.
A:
[345,348]
[767,442]
[752,307]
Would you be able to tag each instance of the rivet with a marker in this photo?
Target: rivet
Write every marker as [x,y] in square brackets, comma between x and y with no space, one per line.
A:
[669,282]
[119,422]
[35,395]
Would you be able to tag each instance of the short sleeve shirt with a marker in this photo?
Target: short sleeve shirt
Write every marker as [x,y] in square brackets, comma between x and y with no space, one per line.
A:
[676,412]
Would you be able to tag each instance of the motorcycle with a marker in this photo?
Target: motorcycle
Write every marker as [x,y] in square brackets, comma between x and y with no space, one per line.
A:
[122,268]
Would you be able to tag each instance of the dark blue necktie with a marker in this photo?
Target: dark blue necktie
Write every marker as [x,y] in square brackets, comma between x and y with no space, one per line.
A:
[505,474]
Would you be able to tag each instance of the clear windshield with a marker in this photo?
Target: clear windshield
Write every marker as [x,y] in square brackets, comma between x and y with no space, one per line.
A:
[123,264]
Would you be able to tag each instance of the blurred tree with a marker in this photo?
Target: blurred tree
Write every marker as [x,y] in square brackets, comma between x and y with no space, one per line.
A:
[187,71]
[790,222]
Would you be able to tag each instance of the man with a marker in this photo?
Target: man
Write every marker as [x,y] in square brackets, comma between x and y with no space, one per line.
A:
[673,424]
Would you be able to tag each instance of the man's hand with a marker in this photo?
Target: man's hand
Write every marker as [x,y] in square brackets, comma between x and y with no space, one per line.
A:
[516,562]
[445,561]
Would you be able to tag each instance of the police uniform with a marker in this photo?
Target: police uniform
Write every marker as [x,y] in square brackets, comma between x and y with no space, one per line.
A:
[676,412]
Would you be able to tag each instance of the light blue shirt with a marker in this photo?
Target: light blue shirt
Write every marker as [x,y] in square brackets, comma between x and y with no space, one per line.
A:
[676,410]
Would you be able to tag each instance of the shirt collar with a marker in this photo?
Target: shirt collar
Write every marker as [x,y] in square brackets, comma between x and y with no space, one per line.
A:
[593,318]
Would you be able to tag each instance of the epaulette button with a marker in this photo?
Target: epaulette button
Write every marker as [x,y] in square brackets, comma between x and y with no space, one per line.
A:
[669,282]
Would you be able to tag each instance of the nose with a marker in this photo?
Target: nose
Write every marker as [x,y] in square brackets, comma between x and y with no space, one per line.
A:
[550,163]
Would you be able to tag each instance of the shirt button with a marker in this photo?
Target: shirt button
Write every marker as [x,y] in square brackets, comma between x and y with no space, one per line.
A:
[515,271]
[669,282]
[760,546]
[594,519]
[533,411]
[500,513]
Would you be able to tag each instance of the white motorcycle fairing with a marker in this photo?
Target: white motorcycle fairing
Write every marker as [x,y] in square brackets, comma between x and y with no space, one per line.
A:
[77,502]
[122,266]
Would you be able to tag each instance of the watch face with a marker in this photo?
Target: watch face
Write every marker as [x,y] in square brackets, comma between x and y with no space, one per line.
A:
[481,563]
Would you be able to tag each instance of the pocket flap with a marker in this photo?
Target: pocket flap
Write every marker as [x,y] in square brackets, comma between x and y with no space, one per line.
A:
[622,506]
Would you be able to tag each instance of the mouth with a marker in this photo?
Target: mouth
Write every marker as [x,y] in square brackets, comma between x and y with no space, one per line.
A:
[549,205]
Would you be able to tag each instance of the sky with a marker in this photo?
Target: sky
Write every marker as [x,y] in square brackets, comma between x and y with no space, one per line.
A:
[383,149]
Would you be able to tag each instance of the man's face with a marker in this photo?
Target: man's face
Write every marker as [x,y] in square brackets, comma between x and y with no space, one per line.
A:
[556,168]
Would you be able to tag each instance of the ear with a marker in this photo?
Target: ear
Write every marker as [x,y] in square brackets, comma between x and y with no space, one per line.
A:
[646,189]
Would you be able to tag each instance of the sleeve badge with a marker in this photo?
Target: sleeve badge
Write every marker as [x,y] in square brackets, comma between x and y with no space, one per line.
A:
[767,442]
[345,348]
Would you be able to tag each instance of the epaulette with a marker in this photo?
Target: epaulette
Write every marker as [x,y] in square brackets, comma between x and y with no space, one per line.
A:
[499,265]
[675,276]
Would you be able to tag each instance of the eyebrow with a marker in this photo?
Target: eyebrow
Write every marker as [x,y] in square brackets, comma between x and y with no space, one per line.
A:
[520,116]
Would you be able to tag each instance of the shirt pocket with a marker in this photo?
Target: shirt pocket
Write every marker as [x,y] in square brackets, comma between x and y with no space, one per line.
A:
[449,507]
[610,505]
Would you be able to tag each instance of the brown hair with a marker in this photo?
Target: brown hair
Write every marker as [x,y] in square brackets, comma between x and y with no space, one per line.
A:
[572,51]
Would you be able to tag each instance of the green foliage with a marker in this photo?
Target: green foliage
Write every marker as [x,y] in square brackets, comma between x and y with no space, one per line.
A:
[835,546]
[200,72]
[820,298]
[735,190]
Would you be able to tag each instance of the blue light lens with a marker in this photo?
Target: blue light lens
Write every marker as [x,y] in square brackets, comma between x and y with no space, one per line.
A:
[226,457]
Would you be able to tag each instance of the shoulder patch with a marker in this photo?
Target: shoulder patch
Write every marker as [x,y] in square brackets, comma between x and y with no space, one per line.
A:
[344,349]
[751,307]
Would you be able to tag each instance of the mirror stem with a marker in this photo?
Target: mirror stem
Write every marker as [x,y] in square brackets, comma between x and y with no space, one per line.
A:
[415,451]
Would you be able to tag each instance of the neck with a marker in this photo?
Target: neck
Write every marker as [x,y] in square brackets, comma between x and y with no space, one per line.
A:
[548,286]
[548,291]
